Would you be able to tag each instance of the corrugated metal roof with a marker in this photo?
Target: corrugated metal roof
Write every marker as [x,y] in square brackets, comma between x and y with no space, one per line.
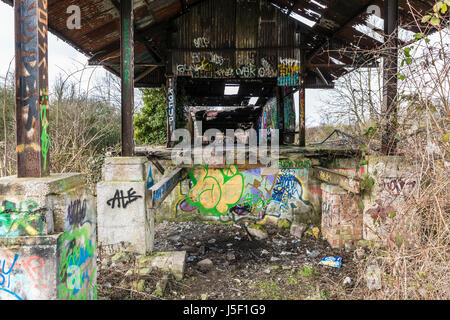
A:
[334,27]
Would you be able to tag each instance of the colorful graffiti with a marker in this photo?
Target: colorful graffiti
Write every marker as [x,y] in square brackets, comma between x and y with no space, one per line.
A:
[77,269]
[20,220]
[215,190]
[24,276]
[77,252]
[5,276]
[150,180]
[269,119]
[289,72]
[251,195]
[289,113]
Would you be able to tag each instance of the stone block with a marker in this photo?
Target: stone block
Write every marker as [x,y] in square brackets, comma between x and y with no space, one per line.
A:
[169,262]
[123,216]
[60,265]
[124,169]
[29,268]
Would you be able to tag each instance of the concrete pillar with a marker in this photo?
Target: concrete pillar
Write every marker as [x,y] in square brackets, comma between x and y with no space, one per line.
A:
[342,220]
[47,238]
[123,218]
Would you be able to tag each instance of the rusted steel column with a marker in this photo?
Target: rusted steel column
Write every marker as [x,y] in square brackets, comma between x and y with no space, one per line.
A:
[127,75]
[390,70]
[31,88]
[171,105]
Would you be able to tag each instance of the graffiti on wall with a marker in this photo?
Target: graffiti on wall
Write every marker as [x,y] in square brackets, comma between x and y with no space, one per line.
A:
[5,277]
[215,190]
[210,64]
[150,180]
[20,220]
[123,200]
[289,113]
[268,122]
[288,72]
[76,212]
[251,195]
[21,276]
[171,102]
[397,186]
[291,164]
[77,265]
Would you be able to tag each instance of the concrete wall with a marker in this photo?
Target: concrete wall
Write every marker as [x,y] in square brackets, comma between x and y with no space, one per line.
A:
[255,195]
[395,183]
[47,238]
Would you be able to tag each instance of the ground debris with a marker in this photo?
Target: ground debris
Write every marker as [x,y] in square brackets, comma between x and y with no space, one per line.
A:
[234,267]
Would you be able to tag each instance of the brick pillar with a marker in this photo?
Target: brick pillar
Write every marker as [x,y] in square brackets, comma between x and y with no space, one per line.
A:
[342,220]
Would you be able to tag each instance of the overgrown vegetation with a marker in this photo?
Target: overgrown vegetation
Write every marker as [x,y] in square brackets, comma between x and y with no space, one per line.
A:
[415,259]
[151,121]
[84,123]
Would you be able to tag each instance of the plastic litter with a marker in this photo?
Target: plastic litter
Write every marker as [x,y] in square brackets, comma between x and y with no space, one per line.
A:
[316,232]
[191,258]
[312,254]
[335,262]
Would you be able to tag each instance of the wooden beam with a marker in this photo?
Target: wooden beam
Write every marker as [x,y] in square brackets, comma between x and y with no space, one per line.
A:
[31,38]
[127,75]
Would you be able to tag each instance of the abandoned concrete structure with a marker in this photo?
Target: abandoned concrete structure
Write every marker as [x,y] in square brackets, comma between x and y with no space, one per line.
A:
[267,50]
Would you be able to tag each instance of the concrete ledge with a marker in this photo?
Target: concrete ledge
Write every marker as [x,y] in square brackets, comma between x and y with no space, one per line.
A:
[333,189]
[35,187]
[48,240]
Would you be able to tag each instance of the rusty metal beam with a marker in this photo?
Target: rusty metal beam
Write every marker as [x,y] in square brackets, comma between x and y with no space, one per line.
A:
[390,70]
[31,22]
[127,75]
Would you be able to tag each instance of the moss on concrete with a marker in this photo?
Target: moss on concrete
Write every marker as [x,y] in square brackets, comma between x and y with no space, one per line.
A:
[284,224]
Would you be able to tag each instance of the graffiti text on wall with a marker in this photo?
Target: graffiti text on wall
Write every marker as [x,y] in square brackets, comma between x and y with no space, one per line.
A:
[18,220]
[288,72]
[215,191]
[252,195]
[76,211]
[23,275]
[123,200]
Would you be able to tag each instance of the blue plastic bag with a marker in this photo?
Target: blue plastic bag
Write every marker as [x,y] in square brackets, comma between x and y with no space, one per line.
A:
[335,262]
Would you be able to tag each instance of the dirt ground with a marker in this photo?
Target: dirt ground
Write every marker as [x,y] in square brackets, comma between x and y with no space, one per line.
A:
[276,268]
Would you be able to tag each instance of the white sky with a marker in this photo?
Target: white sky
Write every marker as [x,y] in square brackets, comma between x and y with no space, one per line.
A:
[63,56]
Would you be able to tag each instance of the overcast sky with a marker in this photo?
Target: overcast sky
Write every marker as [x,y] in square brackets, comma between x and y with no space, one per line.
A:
[63,56]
